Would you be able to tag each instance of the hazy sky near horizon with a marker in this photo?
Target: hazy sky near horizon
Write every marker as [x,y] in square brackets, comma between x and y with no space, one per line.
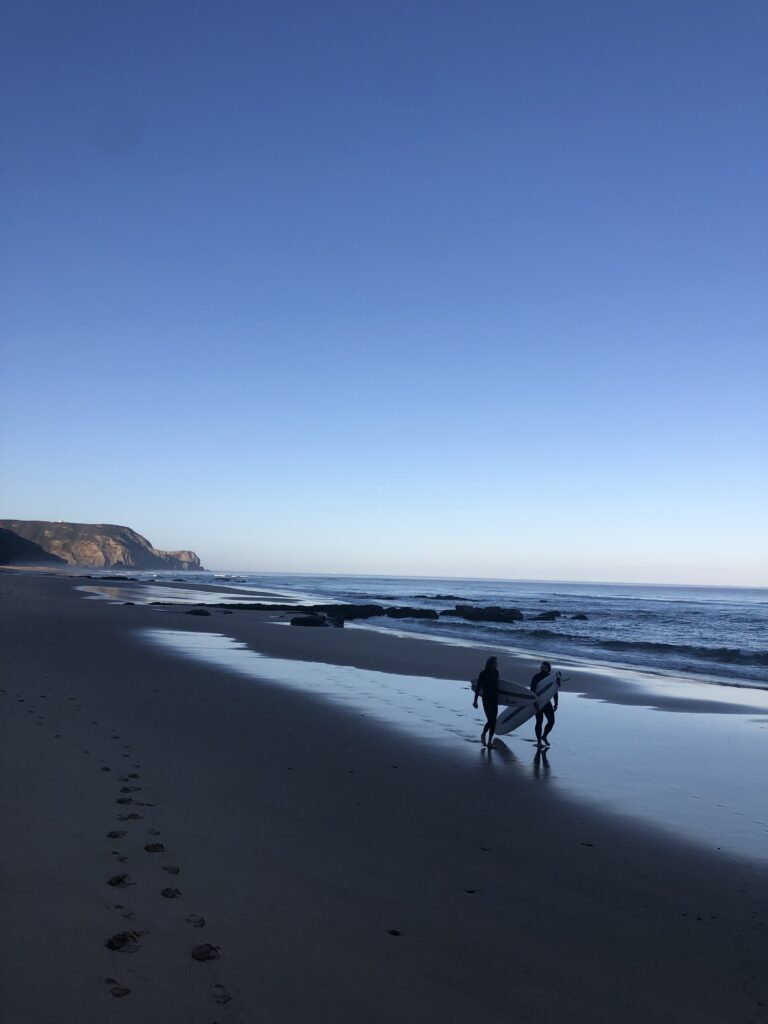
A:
[439,288]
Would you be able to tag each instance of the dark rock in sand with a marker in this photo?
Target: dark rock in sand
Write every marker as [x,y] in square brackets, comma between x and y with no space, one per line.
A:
[547,616]
[198,611]
[344,611]
[348,611]
[490,614]
[309,620]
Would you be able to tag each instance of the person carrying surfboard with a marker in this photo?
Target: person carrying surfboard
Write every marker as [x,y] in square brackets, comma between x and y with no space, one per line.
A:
[549,709]
[488,689]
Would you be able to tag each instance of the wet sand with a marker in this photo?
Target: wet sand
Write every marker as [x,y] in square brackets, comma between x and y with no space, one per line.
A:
[277,856]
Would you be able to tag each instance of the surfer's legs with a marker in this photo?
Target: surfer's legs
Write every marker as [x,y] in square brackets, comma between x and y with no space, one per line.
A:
[549,712]
[491,709]
[492,725]
[539,720]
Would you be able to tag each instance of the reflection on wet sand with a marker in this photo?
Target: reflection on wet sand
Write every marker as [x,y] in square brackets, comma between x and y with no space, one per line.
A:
[662,769]
[148,593]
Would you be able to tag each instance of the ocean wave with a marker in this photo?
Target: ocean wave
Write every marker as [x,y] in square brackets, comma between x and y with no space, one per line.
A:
[724,655]
[721,655]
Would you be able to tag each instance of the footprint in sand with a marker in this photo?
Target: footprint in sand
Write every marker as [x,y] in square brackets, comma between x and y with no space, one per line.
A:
[128,817]
[154,848]
[153,831]
[116,989]
[195,920]
[124,942]
[170,894]
[120,881]
[206,952]
[220,995]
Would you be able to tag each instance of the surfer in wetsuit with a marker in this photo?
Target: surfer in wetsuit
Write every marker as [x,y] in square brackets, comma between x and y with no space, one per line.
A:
[549,709]
[488,689]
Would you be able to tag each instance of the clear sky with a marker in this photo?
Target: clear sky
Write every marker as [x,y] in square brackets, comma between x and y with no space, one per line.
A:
[442,288]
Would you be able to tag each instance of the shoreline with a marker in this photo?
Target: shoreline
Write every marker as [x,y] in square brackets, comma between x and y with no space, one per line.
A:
[601,680]
[666,657]
[304,832]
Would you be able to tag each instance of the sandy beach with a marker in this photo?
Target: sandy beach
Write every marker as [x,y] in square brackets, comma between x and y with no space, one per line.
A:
[190,843]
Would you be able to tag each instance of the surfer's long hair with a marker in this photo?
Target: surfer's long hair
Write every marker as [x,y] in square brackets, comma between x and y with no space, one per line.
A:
[491,663]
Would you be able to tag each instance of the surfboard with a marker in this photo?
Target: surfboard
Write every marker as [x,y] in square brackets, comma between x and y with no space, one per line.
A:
[509,693]
[517,714]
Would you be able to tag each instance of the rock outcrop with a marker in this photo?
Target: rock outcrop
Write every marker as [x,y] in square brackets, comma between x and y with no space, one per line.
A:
[489,614]
[101,546]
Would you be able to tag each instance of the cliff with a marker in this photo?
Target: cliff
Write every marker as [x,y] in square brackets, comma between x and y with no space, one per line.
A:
[101,546]
[16,550]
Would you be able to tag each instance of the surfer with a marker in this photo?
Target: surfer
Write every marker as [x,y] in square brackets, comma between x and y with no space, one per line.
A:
[549,709]
[488,689]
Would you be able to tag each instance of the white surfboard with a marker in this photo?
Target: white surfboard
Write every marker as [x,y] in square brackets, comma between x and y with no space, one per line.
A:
[517,714]
[510,694]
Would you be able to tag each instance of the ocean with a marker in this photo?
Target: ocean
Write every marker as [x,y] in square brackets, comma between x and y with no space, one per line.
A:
[714,634]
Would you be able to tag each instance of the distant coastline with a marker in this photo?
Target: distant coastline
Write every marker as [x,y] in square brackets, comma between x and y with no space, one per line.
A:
[89,545]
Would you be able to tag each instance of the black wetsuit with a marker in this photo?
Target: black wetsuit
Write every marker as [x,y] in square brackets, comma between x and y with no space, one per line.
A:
[488,688]
[548,711]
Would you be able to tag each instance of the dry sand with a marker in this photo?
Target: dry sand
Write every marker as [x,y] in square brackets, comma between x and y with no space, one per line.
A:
[344,872]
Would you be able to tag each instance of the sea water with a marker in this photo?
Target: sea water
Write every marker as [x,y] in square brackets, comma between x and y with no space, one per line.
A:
[717,634]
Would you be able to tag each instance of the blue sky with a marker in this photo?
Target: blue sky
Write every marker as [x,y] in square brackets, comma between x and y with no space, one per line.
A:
[427,288]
